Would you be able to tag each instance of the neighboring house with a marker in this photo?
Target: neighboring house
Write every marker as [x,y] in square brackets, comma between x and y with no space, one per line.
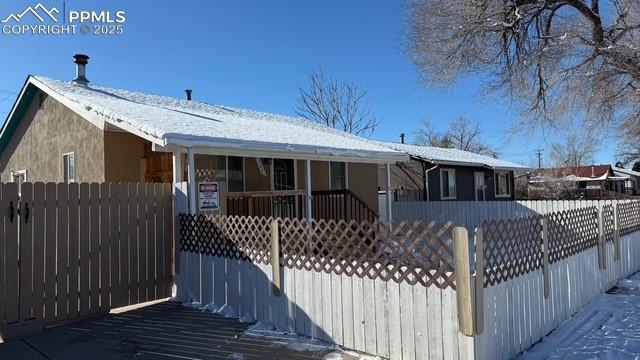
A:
[632,184]
[589,182]
[263,163]
[441,174]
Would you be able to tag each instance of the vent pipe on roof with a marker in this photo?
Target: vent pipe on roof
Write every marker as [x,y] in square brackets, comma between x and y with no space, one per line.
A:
[402,138]
[593,171]
[189,92]
[81,69]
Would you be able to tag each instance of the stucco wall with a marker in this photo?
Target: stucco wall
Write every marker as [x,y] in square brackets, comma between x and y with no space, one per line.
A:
[363,181]
[123,154]
[44,135]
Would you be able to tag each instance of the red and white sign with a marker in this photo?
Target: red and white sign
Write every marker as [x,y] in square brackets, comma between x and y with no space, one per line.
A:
[209,196]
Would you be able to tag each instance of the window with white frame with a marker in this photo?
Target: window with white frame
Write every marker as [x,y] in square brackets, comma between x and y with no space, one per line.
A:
[447,184]
[338,171]
[19,177]
[69,167]
[503,184]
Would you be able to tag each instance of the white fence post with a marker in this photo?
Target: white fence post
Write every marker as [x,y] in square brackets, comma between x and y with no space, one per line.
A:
[602,263]
[463,280]
[616,233]
[275,257]
[545,257]
[479,283]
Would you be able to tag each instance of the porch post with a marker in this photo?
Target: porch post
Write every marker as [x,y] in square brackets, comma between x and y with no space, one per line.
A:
[177,169]
[308,189]
[389,215]
[192,181]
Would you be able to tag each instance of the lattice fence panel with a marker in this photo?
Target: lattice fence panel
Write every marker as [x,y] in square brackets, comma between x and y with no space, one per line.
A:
[607,222]
[415,253]
[511,248]
[571,232]
[629,217]
[234,237]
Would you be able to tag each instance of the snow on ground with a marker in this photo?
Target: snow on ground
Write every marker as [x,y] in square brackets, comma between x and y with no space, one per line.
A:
[608,328]
[278,336]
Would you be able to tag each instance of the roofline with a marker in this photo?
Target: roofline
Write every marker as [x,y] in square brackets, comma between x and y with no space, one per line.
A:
[212,145]
[468,164]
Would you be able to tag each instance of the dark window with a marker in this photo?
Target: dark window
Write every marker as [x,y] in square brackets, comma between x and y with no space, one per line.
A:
[236,177]
[503,184]
[448,184]
[338,175]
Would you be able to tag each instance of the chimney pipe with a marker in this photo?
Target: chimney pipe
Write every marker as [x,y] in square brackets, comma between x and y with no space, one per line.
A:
[189,92]
[81,61]
[402,138]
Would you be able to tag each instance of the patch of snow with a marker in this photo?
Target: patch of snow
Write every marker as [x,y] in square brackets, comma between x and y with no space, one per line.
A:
[236,356]
[608,328]
[290,340]
[247,318]
[339,355]
[227,311]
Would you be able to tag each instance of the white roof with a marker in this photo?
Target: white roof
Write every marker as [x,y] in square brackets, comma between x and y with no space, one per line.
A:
[178,123]
[626,171]
[452,156]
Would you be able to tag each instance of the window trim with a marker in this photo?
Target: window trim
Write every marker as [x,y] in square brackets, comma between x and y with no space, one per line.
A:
[509,186]
[455,185]
[346,175]
[18,172]
[75,169]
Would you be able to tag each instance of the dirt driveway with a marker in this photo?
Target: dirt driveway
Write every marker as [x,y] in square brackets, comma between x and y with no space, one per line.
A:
[161,331]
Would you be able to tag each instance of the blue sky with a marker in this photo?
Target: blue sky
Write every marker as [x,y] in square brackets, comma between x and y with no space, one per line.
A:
[256,53]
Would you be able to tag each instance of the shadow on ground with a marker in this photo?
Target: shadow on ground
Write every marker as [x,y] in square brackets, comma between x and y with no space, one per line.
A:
[161,331]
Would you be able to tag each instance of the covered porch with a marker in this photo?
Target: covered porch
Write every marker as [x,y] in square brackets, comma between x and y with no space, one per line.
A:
[320,187]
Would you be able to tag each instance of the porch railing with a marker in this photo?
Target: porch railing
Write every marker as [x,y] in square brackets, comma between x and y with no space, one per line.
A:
[329,204]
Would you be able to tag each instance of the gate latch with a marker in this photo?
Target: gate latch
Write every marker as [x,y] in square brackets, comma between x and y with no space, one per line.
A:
[26,213]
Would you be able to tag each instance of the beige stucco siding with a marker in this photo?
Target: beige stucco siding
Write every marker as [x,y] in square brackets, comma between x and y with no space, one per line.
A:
[123,154]
[363,181]
[44,134]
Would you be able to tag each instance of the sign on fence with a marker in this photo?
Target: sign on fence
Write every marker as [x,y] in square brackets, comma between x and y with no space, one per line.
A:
[209,196]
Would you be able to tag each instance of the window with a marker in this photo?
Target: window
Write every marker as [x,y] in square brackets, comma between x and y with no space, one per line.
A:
[503,184]
[69,167]
[447,184]
[338,174]
[19,177]
[235,174]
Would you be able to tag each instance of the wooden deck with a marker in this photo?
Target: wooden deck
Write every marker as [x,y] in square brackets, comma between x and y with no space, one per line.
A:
[161,331]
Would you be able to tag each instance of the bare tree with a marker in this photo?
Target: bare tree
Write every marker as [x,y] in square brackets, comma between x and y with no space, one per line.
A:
[557,59]
[577,150]
[338,104]
[461,134]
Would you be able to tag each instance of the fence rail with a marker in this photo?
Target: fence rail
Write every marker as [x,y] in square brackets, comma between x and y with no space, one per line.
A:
[70,250]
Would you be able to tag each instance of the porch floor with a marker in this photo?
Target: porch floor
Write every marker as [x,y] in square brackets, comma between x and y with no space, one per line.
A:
[161,331]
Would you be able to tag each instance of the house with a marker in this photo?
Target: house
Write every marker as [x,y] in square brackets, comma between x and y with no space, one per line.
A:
[441,174]
[632,184]
[236,161]
[583,182]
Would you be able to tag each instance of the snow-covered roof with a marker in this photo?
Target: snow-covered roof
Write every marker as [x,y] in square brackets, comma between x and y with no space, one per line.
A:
[177,123]
[446,156]
[626,171]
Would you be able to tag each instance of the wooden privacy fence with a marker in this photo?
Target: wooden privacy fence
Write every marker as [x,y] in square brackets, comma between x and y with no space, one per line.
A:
[533,273]
[386,289]
[72,250]
[471,214]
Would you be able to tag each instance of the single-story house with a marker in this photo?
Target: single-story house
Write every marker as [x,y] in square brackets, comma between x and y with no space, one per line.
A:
[632,184]
[236,161]
[592,182]
[441,174]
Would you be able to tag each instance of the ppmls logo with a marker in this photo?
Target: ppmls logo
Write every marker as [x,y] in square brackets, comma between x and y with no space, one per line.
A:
[43,20]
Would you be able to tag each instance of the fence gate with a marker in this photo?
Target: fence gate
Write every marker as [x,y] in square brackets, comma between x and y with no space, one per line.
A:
[72,250]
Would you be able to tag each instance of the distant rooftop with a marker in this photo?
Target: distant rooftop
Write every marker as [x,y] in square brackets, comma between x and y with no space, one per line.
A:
[447,156]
